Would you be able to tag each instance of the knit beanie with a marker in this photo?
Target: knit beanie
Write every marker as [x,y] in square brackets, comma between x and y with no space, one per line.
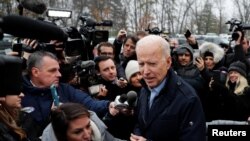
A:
[131,68]
[239,67]
[10,75]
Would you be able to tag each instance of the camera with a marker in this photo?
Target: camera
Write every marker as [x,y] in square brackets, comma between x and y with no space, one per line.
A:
[236,25]
[154,30]
[88,79]
[92,36]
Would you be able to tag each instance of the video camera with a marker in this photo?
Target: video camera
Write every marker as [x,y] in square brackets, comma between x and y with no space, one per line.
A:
[92,36]
[88,79]
[236,25]
[154,30]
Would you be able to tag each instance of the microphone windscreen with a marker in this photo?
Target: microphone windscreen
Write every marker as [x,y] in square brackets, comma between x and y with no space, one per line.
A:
[25,27]
[123,98]
[131,98]
[35,6]
[10,75]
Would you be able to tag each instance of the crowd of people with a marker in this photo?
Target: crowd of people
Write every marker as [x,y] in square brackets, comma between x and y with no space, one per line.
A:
[177,91]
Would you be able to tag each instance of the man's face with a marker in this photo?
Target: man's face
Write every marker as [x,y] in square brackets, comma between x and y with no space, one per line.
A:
[153,65]
[46,74]
[107,51]
[128,48]
[184,59]
[107,70]
[245,45]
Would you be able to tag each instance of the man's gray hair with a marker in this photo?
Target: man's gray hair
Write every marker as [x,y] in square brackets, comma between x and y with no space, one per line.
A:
[36,58]
[164,45]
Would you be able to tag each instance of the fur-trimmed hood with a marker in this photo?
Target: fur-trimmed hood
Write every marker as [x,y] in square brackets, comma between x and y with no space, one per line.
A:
[217,51]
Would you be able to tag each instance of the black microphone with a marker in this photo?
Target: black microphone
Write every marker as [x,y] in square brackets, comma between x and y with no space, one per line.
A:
[87,64]
[131,98]
[35,6]
[25,27]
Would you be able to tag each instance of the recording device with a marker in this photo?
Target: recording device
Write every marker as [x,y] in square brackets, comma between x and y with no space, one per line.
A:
[17,48]
[88,78]
[24,27]
[126,101]
[92,36]
[87,64]
[54,95]
[132,98]
[121,102]
[236,25]
[154,30]
[35,6]
[187,34]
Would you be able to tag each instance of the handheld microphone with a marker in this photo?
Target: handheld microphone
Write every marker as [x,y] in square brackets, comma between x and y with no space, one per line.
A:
[25,27]
[35,6]
[131,98]
[120,102]
[54,95]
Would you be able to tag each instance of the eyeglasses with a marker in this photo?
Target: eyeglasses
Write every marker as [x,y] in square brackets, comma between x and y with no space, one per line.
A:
[184,54]
[106,53]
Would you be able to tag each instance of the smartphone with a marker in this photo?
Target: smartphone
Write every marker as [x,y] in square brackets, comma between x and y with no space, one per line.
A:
[18,47]
[188,33]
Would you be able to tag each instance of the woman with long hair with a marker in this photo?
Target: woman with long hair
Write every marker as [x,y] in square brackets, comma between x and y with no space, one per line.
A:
[10,99]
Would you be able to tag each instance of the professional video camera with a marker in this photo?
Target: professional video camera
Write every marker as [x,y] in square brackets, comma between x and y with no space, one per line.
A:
[73,44]
[92,36]
[154,30]
[88,79]
[236,25]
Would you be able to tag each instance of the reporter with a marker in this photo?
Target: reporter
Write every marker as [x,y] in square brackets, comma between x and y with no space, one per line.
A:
[10,99]
[43,71]
[73,122]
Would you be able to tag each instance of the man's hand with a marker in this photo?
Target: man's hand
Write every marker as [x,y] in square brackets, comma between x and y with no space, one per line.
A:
[134,137]
[121,82]
[102,91]
[199,62]
[122,34]
[191,40]
[112,110]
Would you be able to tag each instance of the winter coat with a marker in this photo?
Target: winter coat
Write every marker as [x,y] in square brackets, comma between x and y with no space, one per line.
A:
[41,99]
[98,128]
[175,115]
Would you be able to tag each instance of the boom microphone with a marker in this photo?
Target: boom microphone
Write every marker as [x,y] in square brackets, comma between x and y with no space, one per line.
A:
[35,6]
[25,27]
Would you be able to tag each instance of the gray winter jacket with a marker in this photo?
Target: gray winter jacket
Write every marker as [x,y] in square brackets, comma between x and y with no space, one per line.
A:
[98,127]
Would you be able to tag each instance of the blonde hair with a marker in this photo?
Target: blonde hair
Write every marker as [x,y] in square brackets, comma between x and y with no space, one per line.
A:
[241,83]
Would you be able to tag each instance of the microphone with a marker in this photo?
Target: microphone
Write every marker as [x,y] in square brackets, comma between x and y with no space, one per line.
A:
[87,64]
[54,95]
[25,27]
[120,102]
[35,6]
[131,98]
